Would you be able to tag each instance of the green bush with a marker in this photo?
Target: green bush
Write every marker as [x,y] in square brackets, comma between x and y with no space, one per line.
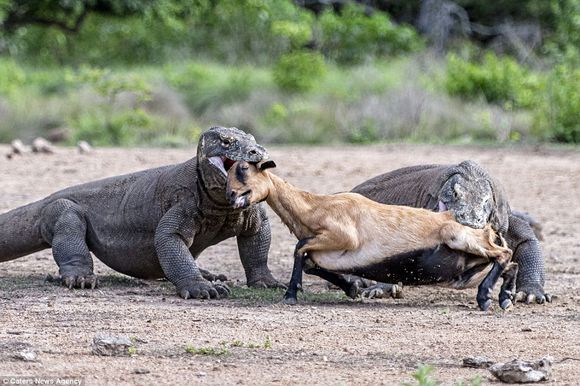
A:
[498,80]
[298,71]
[352,36]
[124,128]
[12,76]
[557,116]
[210,85]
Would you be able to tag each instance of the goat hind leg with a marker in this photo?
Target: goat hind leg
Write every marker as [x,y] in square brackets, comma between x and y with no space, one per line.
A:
[350,287]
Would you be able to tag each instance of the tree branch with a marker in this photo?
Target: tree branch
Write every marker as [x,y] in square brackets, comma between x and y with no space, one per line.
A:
[13,22]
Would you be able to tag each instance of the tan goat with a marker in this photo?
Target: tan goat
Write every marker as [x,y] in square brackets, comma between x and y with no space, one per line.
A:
[345,232]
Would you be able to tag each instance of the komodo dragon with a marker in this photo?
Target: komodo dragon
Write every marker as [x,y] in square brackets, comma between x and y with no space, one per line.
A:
[149,224]
[475,198]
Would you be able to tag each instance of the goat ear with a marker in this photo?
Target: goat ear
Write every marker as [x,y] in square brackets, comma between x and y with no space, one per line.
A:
[267,164]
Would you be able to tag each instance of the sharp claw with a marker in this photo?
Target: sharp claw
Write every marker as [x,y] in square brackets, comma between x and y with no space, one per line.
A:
[184,294]
[548,298]
[520,296]
[540,299]
[82,282]
[214,294]
[94,283]
[531,298]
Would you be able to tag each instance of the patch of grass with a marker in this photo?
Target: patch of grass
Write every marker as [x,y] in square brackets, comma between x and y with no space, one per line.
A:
[423,376]
[271,295]
[207,351]
[267,344]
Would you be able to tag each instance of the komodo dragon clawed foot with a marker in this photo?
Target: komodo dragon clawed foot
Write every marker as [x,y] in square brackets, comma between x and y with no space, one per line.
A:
[265,281]
[203,289]
[532,293]
[382,290]
[75,281]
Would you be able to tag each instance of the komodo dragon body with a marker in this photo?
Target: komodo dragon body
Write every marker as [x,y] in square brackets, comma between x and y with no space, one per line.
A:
[149,224]
[475,199]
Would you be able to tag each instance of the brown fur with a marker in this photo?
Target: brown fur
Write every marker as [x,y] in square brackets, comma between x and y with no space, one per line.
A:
[348,230]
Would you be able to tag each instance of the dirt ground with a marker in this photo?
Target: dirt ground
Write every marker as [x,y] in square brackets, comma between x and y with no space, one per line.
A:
[325,339]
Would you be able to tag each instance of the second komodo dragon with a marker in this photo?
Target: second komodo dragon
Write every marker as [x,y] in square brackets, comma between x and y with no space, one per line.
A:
[149,224]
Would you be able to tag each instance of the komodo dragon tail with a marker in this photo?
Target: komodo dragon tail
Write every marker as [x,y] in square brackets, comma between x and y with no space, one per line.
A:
[20,232]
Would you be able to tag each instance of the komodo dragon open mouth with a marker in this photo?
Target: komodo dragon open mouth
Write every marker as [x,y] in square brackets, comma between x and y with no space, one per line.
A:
[223,163]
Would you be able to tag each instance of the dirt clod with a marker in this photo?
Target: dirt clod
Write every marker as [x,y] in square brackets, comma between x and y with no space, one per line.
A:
[106,345]
[518,371]
[26,355]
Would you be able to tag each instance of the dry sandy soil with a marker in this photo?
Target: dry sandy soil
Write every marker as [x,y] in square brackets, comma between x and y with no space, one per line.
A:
[326,339]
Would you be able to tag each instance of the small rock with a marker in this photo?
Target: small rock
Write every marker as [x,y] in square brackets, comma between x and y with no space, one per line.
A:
[477,362]
[18,147]
[201,374]
[518,371]
[84,147]
[141,371]
[41,145]
[111,345]
[26,355]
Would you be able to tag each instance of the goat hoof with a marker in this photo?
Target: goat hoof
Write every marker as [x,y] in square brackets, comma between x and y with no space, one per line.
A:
[505,304]
[484,304]
[290,301]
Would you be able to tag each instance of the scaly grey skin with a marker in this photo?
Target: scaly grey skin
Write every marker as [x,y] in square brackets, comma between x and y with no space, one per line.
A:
[150,224]
[475,199]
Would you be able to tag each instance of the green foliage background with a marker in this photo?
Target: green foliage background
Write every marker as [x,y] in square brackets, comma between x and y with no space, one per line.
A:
[157,72]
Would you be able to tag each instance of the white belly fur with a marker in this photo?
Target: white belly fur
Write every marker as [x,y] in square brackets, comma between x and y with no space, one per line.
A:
[369,254]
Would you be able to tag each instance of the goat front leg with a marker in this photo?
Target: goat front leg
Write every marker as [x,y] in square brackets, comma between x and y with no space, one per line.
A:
[508,287]
[290,297]
[499,269]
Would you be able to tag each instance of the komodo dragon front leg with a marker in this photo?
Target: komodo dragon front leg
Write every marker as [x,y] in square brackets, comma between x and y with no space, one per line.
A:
[253,246]
[174,236]
[64,227]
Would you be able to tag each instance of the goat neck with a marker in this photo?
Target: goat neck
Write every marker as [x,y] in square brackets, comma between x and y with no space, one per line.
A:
[291,205]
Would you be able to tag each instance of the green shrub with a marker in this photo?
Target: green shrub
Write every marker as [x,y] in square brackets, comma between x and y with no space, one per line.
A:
[12,76]
[297,33]
[498,80]
[210,85]
[125,128]
[557,115]
[298,71]
[352,36]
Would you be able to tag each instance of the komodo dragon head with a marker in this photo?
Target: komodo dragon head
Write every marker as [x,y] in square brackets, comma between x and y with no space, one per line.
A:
[475,199]
[219,148]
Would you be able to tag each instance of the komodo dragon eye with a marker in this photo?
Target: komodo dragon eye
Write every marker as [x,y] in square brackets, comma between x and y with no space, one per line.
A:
[226,142]
[457,192]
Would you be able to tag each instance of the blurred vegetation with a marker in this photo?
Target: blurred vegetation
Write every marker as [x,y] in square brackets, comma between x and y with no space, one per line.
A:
[158,72]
